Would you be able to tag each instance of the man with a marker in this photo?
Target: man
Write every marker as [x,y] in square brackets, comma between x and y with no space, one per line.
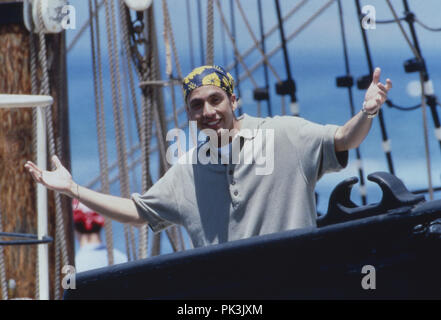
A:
[92,253]
[224,202]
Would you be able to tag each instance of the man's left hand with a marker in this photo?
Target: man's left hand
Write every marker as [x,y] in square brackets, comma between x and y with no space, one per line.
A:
[376,94]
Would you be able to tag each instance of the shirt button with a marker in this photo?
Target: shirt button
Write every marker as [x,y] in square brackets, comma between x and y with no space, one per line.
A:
[233,182]
[236,193]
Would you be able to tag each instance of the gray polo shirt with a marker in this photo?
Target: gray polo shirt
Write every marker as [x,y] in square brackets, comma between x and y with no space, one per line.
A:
[249,196]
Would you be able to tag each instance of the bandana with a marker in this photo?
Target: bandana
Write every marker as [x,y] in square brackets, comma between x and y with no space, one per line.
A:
[208,75]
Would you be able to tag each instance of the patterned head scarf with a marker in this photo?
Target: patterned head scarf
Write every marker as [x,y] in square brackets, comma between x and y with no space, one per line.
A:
[208,75]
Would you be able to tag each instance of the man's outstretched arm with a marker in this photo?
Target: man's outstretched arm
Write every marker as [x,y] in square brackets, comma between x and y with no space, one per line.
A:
[352,134]
[60,180]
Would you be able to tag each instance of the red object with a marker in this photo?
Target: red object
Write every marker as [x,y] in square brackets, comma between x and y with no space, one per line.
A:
[85,219]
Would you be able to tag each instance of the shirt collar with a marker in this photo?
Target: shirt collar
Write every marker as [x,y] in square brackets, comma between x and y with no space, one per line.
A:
[248,126]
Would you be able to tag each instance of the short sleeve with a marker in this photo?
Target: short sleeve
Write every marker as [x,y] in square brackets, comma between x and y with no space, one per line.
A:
[158,206]
[314,145]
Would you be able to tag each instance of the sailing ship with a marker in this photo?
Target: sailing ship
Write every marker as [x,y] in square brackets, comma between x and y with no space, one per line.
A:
[399,235]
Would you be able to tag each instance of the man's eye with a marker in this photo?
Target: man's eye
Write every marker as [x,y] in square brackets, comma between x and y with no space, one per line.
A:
[216,100]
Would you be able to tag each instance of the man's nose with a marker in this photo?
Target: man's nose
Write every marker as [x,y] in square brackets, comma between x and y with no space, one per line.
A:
[208,110]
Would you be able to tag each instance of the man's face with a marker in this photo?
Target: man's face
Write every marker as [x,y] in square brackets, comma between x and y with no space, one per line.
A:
[211,108]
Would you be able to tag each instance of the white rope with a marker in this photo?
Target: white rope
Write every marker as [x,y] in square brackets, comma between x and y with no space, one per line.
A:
[159,129]
[172,40]
[34,90]
[100,123]
[3,282]
[116,106]
[59,219]
[134,149]
[210,33]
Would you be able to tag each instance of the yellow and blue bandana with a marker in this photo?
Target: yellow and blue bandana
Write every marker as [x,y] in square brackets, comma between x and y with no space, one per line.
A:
[208,75]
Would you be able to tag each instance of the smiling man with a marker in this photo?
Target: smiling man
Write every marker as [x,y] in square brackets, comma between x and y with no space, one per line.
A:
[216,202]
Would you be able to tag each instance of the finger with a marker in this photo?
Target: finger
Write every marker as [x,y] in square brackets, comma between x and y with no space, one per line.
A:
[33,166]
[376,76]
[56,162]
[382,87]
[382,95]
[36,175]
[388,84]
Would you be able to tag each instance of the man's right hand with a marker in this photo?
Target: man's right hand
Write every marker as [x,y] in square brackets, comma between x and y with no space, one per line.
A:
[59,180]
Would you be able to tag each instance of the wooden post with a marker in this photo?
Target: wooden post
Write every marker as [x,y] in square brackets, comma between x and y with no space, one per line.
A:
[17,189]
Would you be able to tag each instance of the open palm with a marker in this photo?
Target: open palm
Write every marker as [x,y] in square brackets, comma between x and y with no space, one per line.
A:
[59,180]
[376,94]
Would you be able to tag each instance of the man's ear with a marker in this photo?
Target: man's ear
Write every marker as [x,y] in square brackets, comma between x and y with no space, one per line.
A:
[234,102]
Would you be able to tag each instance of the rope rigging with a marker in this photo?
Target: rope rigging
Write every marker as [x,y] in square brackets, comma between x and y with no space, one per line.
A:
[83,28]
[390,104]
[60,243]
[190,35]
[265,66]
[3,280]
[157,104]
[270,32]
[210,33]
[34,90]
[363,83]
[224,44]
[287,87]
[141,63]
[100,123]
[150,104]
[289,38]
[423,25]
[260,93]
[428,94]
[169,41]
[118,118]
[144,124]
[236,52]
[424,79]
[201,33]
[348,82]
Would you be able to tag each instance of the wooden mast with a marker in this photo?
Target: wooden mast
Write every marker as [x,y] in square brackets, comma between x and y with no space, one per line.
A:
[17,189]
